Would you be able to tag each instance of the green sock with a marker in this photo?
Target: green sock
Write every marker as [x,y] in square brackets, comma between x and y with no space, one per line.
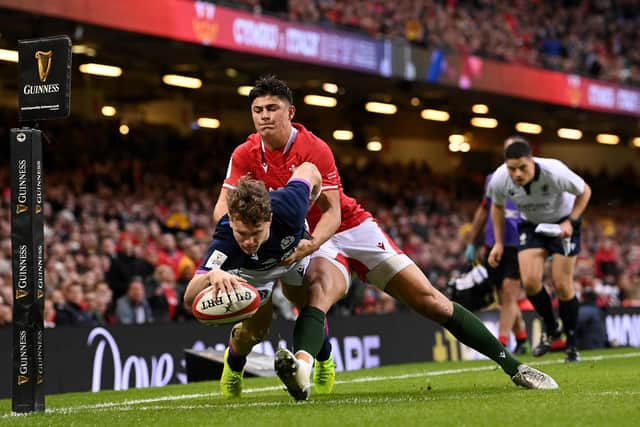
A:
[308,334]
[469,330]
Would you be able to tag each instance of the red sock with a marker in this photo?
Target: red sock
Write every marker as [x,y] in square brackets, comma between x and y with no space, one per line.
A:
[503,339]
[521,335]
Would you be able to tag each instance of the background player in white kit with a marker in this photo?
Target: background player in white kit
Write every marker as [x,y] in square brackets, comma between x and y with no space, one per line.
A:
[547,192]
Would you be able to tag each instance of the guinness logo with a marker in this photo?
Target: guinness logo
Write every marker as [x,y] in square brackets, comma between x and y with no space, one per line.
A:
[40,294]
[21,293]
[21,208]
[22,379]
[44,64]
[38,209]
[40,379]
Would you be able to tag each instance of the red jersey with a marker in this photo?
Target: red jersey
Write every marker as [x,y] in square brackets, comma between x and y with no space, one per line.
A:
[275,167]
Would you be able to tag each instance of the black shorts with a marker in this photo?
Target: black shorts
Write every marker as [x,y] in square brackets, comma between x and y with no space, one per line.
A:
[507,269]
[530,239]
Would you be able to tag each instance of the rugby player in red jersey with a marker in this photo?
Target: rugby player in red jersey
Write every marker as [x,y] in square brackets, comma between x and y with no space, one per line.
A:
[344,237]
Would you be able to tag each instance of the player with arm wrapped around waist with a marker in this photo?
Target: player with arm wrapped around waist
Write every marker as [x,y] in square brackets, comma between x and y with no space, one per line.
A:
[551,199]
[260,230]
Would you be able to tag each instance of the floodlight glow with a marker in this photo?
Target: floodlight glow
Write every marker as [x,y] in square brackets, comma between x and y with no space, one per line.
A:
[567,133]
[182,81]
[320,101]
[100,70]
[437,115]
[208,122]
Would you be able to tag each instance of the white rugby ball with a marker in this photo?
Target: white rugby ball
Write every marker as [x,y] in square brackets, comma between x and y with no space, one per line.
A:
[225,307]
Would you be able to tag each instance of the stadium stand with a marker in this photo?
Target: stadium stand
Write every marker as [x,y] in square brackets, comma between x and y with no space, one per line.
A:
[112,220]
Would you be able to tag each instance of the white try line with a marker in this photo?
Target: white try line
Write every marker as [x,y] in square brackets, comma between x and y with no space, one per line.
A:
[138,404]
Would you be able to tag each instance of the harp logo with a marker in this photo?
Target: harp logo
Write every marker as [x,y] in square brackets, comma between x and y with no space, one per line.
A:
[44,64]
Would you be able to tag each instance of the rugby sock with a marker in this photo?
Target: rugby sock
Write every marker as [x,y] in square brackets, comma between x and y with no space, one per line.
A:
[569,315]
[325,351]
[469,330]
[308,333]
[521,336]
[236,361]
[504,340]
[542,303]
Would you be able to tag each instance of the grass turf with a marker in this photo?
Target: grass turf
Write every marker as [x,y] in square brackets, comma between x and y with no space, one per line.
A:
[603,389]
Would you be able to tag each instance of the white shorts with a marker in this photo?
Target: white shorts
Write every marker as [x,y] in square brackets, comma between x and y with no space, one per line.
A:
[368,251]
[264,280]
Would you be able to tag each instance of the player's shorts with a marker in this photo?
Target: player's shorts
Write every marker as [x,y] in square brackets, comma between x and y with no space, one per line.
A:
[264,280]
[366,250]
[529,239]
[507,269]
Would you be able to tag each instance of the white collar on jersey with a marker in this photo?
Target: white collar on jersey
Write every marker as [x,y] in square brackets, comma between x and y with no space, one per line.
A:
[292,137]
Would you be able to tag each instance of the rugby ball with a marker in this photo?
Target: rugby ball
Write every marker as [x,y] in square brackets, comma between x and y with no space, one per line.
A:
[224,307]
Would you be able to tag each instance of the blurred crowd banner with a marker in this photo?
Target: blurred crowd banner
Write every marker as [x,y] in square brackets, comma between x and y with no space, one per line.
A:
[122,357]
[209,24]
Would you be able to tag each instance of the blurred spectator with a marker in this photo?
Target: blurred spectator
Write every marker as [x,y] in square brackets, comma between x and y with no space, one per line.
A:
[164,296]
[606,259]
[133,307]
[72,311]
[49,314]
[124,265]
[590,331]
[6,315]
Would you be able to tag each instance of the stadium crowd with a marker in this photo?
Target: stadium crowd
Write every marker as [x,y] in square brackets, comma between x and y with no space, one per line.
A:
[125,233]
[594,38]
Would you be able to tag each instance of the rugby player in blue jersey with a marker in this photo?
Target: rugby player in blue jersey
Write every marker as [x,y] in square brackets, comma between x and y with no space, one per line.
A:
[551,199]
[260,230]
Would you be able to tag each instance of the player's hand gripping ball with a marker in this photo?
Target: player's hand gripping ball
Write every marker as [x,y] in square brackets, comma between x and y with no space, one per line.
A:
[224,307]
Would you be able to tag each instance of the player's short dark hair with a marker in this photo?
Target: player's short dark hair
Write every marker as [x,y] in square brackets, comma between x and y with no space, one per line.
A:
[249,202]
[271,85]
[519,147]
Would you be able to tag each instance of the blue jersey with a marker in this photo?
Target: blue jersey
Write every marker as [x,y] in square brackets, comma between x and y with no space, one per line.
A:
[511,220]
[289,206]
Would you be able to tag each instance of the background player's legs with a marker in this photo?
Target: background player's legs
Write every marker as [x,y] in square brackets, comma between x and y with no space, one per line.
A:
[562,268]
[510,315]
[531,263]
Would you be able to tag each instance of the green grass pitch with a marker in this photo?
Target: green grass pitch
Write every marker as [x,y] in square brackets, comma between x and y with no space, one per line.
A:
[602,390]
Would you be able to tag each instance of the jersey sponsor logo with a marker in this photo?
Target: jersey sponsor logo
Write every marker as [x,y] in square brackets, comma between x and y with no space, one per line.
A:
[216,260]
[286,241]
